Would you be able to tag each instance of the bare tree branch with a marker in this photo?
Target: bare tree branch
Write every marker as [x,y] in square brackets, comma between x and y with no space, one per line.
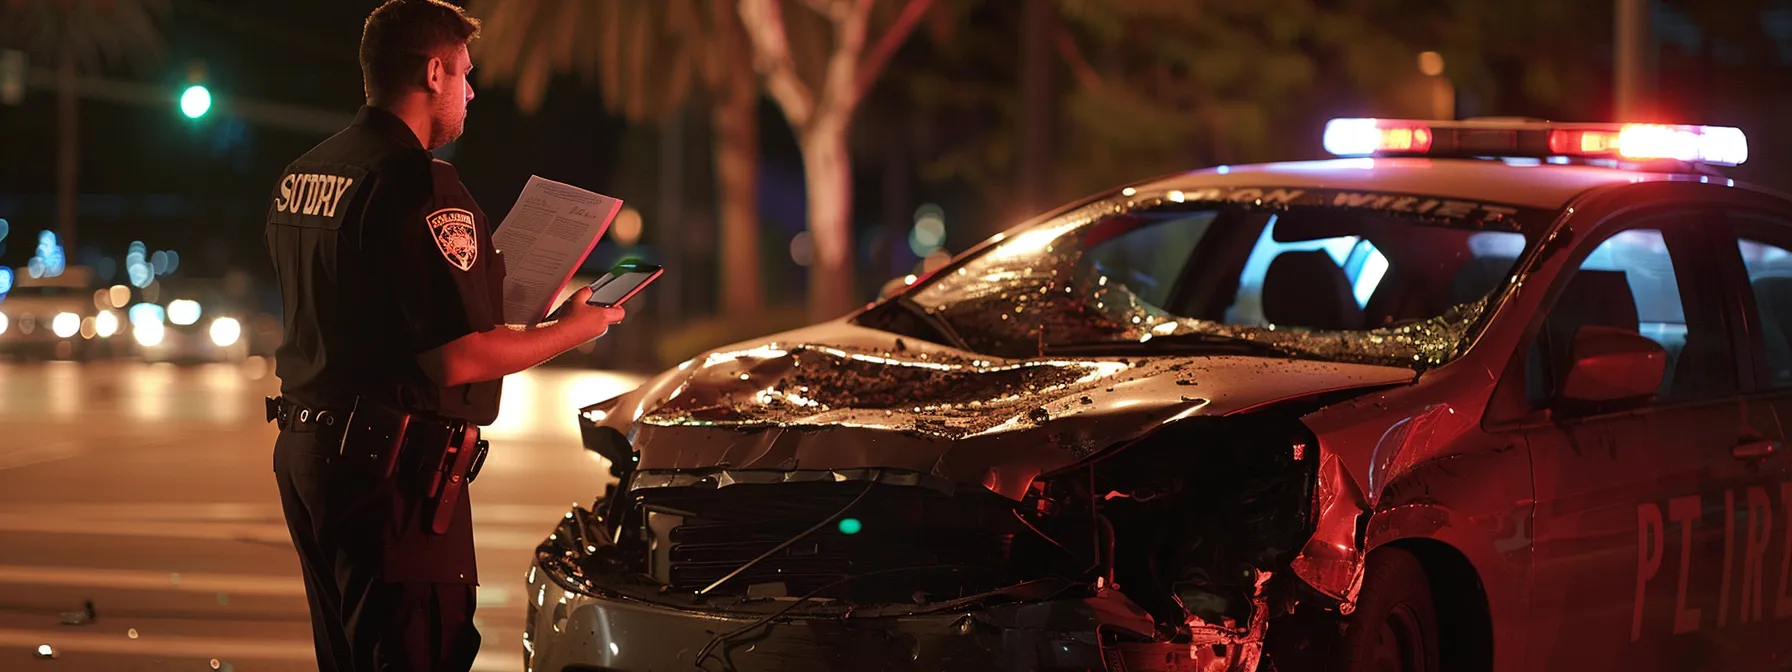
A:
[888,44]
[833,9]
[764,21]
[1080,69]
[839,90]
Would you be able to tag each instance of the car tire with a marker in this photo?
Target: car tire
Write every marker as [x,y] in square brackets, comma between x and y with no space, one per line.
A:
[1394,627]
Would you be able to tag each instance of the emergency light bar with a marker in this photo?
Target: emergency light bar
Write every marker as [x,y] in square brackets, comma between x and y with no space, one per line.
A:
[1719,145]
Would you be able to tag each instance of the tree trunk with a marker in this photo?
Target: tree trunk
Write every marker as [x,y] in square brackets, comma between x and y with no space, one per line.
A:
[736,121]
[672,199]
[68,151]
[1037,97]
[827,175]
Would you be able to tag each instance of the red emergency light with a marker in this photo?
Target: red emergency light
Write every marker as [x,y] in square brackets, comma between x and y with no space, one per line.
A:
[1719,145]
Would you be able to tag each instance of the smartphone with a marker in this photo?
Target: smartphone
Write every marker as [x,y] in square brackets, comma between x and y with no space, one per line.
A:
[622,283]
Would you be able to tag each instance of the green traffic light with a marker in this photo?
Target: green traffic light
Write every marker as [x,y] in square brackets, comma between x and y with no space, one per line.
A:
[850,526]
[195,101]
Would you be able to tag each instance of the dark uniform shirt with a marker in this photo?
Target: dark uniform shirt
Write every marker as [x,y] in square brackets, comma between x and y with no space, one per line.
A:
[381,255]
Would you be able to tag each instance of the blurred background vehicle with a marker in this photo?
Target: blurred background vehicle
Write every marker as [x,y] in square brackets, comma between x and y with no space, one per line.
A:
[201,321]
[54,317]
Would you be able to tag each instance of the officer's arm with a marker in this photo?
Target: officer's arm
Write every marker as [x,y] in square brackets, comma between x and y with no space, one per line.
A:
[447,299]
[495,353]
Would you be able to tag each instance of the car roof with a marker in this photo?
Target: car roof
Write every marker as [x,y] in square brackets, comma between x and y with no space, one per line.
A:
[1539,185]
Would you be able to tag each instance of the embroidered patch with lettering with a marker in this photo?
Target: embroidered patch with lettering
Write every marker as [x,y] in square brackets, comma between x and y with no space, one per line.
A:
[455,235]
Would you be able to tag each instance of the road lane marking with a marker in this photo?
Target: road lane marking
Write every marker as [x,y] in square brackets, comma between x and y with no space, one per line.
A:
[268,585]
[204,648]
[139,579]
[48,452]
[539,515]
[486,537]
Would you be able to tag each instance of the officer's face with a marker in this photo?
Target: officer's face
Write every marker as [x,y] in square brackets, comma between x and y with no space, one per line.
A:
[451,97]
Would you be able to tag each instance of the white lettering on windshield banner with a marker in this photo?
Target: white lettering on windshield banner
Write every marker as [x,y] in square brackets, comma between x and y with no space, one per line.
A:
[1425,206]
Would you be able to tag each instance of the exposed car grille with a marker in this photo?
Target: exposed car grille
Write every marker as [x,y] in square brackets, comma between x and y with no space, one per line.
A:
[692,537]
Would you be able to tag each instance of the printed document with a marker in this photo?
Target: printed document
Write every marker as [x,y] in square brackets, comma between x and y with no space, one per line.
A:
[544,239]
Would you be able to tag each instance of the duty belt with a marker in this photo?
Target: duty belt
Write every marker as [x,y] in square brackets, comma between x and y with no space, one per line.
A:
[293,416]
[440,455]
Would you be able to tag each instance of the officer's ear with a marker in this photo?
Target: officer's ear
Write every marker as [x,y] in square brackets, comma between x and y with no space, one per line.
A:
[435,75]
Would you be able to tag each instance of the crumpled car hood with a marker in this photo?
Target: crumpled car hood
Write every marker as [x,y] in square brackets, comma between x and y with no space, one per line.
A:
[836,396]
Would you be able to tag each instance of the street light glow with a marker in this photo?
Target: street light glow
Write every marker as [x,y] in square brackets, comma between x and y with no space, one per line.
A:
[195,101]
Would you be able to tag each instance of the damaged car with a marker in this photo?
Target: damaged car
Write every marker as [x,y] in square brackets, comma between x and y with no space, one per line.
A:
[1420,408]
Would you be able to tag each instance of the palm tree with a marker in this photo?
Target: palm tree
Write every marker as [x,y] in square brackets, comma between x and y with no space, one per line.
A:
[78,37]
[646,58]
[819,88]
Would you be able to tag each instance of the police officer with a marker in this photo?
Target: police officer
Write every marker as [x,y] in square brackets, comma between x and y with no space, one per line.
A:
[394,354]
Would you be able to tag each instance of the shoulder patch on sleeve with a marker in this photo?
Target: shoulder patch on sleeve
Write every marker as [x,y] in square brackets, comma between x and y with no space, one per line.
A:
[456,235]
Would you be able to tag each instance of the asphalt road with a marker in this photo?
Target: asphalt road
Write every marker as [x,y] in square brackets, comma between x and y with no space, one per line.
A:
[148,490]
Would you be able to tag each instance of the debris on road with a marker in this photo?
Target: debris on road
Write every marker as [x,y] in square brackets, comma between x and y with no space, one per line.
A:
[84,617]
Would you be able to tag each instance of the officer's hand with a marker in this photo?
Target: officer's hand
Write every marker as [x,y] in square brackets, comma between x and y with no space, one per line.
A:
[596,318]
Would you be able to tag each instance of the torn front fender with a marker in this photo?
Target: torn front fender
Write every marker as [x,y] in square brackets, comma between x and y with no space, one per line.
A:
[1332,560]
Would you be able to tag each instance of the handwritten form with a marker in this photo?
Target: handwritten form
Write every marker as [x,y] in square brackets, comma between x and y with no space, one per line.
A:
[545,238]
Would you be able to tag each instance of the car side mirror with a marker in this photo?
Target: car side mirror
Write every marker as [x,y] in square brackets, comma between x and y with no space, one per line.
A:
[1613,365]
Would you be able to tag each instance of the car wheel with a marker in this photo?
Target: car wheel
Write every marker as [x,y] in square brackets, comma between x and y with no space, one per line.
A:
[1394,627]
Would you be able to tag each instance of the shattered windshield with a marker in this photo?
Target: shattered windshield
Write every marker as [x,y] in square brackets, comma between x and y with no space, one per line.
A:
[1299,278]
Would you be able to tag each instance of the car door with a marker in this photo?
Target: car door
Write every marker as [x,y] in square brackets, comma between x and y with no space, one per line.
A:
[1627,543]
[1756,602]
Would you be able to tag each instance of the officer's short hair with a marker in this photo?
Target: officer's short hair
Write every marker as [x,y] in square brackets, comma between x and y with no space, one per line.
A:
[401,36]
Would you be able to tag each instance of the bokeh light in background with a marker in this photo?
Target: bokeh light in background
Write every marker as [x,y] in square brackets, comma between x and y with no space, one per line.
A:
[5,228]
[195,101]
[136,265]
[158,262]
[65,324]
[183,311]
[49,261]
[225,331]
[120,295]
[627,227]
[144,313]
[5,280]
[148,334]
[929,232]
[935,260]
[106,323]
[1431,64]
[802,251]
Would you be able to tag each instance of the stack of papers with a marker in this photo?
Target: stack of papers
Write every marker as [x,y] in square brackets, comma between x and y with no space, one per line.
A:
[545,238]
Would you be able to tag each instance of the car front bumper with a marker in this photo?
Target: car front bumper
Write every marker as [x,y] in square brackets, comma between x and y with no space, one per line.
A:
[571,632]
[583,625]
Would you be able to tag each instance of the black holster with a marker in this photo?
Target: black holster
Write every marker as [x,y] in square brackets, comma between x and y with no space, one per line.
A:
[442,457]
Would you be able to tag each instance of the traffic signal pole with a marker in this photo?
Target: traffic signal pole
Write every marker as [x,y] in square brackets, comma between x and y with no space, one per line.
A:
[295,118]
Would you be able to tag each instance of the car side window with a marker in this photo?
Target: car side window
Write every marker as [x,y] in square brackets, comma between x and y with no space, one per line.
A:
[1766,247]
[1631,282]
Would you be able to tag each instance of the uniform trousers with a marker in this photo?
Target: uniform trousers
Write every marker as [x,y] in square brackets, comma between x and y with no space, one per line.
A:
[358,536]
